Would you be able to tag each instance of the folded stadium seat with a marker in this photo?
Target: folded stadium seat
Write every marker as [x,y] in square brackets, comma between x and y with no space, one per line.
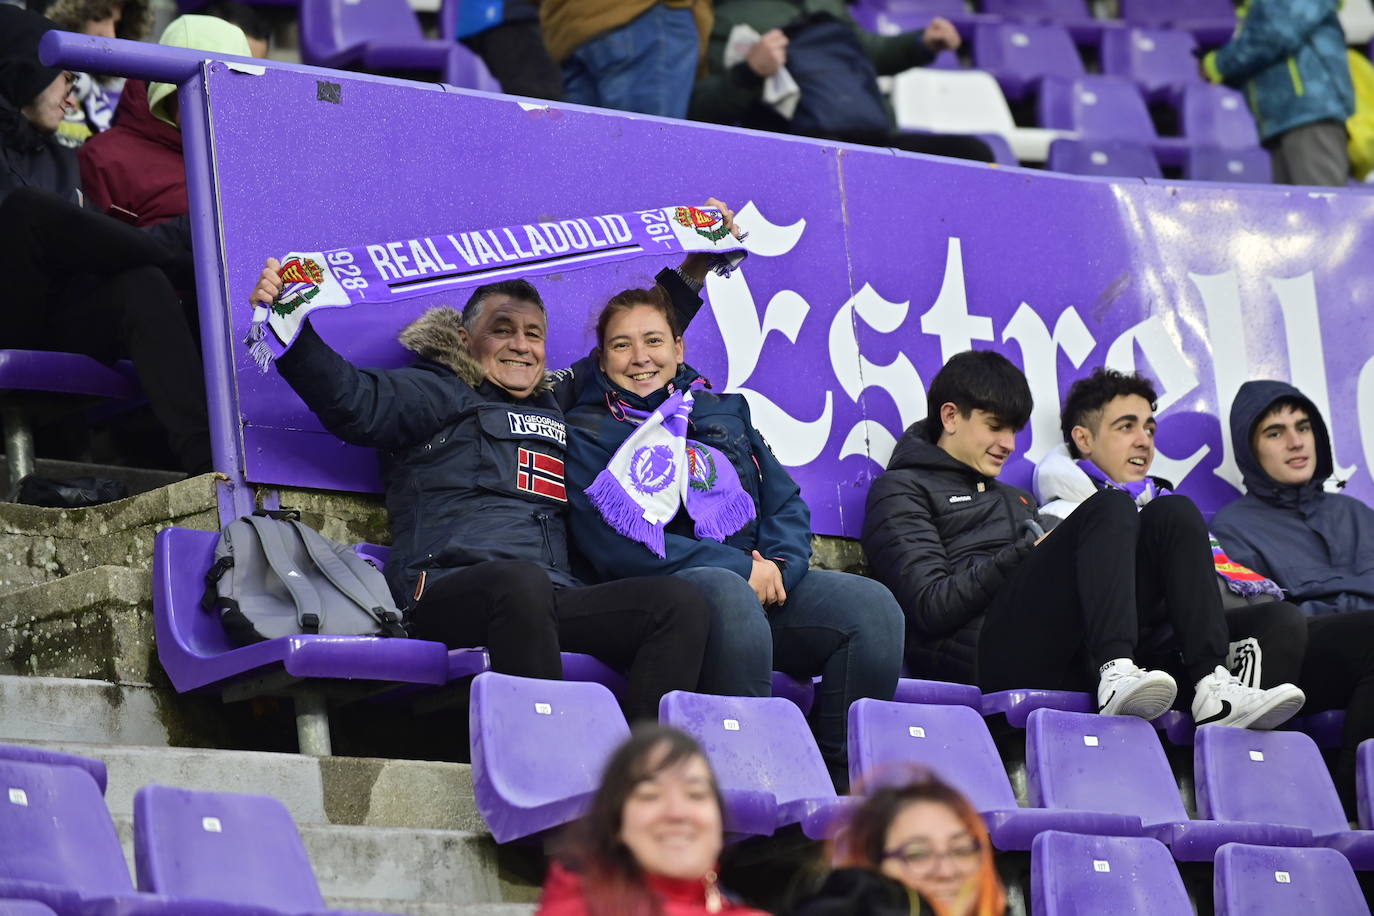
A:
[916,14]
[24,908]
[1105,108]
[1357,19]
[1074,875]
[1073,15]
[58,846]
[1116,765]
[43,383]
[1212,22]
[965,102]
[953,741]
[241,849]
[38,755]
[1217,116]
[1017,705]
[1327,728]
[538,749]
[937,693]
[1159,61]
[197,654]
[1275,777]
[1271,881]
[384,35]
[1021,55]
[1210,163]
[1120,158]
[765,759]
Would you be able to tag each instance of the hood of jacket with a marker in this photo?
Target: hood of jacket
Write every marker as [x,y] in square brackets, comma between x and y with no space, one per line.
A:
[210,34]
[1058,476]
[434,338]
[22,76]
[133,114]
[915,451]
[1253,401]
[16,131]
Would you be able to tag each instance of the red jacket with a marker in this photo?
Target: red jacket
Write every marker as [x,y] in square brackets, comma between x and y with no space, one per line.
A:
[563,896]
[137,163]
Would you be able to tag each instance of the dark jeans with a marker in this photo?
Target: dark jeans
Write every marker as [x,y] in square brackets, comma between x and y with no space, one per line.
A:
[1338,673]
[82,282]
[1104,577]
[846,628]
[954,146]
[646,65]
[515,54]
[653,627]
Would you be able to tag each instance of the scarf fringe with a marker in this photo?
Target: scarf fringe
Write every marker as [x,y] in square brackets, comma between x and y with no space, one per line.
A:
[726,516]
[1253,588]
[256,339]
[623,514]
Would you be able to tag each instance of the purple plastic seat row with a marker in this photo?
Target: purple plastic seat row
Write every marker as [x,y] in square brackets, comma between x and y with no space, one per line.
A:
[885,739]
[1275,777]
[1104,158]
[1115,765]
[1270,881]
[1021,55]
[1072,15]
[1210,21]
[1159,61]
[1074,875]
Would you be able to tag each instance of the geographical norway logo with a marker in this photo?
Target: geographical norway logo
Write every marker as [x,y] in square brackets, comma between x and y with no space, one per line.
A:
[541,474]
[652,469]
[701,469]
[711,228]
[525,424]
[303,278]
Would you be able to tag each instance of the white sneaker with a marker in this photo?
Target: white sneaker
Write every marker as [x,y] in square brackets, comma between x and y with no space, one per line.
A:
[1128,690]
[1221,699]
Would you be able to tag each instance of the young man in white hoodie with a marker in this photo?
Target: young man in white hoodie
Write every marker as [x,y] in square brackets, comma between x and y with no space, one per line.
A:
[1109,426]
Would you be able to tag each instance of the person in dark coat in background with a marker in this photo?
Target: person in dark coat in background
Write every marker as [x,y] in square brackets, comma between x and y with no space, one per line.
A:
[34,101]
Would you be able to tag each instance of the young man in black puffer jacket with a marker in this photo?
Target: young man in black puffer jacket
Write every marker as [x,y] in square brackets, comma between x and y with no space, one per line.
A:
[990,598]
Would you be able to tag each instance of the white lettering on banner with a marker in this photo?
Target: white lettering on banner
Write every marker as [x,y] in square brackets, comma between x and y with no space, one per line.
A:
[1221,303]
[1364,406]
[948,318]
[1040,358]
[898,378]
[524,424]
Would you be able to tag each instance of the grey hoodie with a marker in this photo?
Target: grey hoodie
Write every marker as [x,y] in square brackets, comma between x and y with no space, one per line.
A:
[1318,546]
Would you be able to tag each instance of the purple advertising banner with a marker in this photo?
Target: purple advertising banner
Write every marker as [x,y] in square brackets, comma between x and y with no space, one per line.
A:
[868,269]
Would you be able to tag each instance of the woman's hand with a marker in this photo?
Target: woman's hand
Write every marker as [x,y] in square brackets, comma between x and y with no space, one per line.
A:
[697,264]
[269,284]
[766,581]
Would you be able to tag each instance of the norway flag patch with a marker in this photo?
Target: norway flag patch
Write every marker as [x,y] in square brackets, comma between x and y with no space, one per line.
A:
[541,474]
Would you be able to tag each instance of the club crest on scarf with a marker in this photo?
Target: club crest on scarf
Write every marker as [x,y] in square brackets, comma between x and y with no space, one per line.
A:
[302,278]
[652,469]
[701,468]
[709,226]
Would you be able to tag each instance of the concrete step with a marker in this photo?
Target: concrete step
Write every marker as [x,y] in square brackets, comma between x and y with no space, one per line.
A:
[356,791]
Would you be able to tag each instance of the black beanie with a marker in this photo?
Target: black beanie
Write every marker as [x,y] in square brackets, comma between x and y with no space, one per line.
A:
[22,77]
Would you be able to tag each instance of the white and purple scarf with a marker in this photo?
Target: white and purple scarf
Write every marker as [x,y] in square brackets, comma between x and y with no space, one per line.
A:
[1241,580]
[658,470]
[385,272]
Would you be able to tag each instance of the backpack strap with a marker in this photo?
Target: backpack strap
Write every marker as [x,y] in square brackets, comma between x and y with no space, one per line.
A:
[306,599]
[211,601]
[348,582]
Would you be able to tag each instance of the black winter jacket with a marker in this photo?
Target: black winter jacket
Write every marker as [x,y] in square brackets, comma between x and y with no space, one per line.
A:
[470,473]
[30,159]
[943,538]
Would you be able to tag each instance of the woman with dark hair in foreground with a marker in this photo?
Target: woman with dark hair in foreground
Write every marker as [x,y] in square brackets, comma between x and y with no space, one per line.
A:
[649,844]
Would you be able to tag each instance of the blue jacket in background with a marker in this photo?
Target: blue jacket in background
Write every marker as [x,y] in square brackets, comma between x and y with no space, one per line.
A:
[1318,546]
[1289,58]
[782,528]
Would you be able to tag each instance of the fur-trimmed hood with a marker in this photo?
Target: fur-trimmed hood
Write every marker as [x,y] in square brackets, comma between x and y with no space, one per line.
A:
[434,337]
[135,21]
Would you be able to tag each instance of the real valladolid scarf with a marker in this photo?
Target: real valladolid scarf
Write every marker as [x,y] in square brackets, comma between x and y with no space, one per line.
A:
[658,470]
[1241,580]
[392,271]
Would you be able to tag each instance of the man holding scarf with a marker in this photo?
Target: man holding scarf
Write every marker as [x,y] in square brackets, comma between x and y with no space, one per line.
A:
[471,440]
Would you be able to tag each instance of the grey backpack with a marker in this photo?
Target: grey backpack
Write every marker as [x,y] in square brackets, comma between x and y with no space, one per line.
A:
[274,576]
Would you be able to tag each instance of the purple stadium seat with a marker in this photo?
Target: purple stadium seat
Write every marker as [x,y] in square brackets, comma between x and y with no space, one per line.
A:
[1235,166]
[1326,728]
[1116,765]
[1364,782]
[1177,726]
[1020,56]
[384,35]
[1218,116]
[1118,158]
[1269,881]
[1211,21]
[24,908]
[1274,777]
[1159,61]
[30,378]
[953,741]
[937,693]
[1073,15]
[522,788]
[58,846]
[1017,705]
[197,654]
[910,15]
[1105,107]
[759,747]
[242,849]
[800,693]
[1073,875]
[25,754]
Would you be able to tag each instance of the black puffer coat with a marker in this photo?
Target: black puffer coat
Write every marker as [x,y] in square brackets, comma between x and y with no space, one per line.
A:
[943,538]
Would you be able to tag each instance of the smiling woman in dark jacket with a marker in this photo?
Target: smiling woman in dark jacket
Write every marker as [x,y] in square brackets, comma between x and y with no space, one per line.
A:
[665,476]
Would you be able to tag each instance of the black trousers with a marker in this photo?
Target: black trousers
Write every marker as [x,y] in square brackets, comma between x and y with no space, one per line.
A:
[515,54]
[1104,581]
[652,627]
[82,282]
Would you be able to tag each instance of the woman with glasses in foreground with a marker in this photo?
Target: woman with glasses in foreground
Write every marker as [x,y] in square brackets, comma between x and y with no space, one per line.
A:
[917,838]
